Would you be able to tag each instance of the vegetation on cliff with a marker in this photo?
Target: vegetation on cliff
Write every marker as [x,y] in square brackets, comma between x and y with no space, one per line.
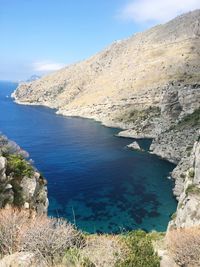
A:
[131,115]
[21,184]
[191,120]
[18,166]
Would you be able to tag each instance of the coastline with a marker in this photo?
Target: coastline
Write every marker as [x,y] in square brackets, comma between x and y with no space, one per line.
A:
[125,132]
[185,175]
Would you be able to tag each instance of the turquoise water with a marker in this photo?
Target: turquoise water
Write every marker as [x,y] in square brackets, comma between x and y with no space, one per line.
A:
[93,179]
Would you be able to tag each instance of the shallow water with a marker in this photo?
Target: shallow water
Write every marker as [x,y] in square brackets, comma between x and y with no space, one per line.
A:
[93,179]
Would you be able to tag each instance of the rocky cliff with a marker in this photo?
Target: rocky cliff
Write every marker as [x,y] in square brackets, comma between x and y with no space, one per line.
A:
[21,185]
[187,189]
[147,84]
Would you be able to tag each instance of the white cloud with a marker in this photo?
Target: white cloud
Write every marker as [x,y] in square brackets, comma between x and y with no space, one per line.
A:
[157,11]
[47,66]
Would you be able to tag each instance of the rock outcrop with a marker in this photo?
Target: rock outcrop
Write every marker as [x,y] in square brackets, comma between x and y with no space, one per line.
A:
[146,84]
[134,146]
[21,184]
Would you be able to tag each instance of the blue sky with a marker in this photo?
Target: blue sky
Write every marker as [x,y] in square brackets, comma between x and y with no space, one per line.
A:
[38,36]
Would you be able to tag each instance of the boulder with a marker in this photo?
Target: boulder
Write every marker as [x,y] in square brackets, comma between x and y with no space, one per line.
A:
[134,146]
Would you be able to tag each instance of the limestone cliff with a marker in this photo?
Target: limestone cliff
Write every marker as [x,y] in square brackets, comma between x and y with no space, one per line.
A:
[20,184]
[147,84]
[187,189]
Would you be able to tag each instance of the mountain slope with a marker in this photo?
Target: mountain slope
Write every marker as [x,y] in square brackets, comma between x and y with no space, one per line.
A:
[145,83]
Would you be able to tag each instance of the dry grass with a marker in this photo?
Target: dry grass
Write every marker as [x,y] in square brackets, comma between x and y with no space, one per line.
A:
[184,244]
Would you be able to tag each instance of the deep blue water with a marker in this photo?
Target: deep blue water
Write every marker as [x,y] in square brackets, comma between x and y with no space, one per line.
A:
[93,179]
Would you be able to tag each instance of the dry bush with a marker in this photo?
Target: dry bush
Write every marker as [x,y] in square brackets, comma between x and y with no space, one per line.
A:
[103,251]
[47,238]
[12,223]
[184,244]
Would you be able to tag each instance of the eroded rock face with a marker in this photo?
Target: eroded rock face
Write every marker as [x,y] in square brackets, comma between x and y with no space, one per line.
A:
[21,190]
[180,121]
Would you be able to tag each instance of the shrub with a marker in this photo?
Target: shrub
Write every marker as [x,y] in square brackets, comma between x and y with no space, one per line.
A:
[184,244]
[191,120]
[47,238]
[191,172]
[103,250]
[140,251]
[74,257]
[12,223]
[18,193]
[19,166]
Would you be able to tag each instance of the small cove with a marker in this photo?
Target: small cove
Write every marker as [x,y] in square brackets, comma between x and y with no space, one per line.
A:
[93,179]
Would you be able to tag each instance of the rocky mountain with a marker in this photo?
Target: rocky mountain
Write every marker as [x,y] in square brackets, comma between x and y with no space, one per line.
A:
[146,84]
[21,185]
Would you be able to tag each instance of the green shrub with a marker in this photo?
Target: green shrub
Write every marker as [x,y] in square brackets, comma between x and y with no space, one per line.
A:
[140,251]
[19,166]
[132,115]
[173,216]
[74,257]
[190,119]
[191,172]
[18,193]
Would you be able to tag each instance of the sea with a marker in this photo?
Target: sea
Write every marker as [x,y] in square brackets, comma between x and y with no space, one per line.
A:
[94,180]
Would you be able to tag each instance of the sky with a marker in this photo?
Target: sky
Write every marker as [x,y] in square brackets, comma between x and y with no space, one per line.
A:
[42,36]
